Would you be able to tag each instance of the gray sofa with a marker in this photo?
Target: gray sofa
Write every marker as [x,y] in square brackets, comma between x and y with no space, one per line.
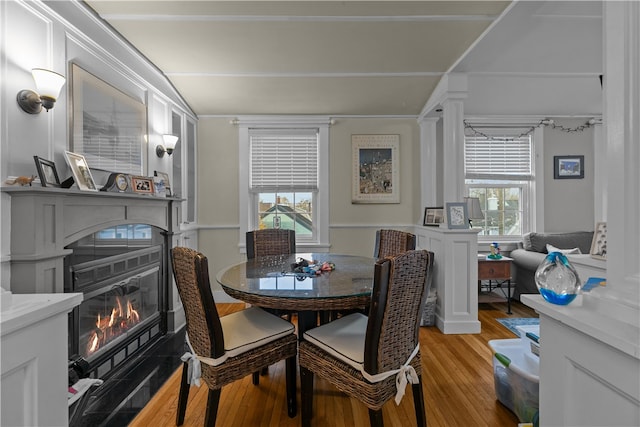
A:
[532,251]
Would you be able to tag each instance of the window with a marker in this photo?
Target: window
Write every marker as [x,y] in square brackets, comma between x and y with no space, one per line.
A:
[286,180]
[499,170]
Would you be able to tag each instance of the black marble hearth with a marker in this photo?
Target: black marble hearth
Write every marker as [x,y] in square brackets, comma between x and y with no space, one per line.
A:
[116,402]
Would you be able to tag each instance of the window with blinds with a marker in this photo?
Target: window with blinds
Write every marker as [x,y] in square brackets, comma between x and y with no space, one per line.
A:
[283,160]
[283,178]
[497,157]
[499,172]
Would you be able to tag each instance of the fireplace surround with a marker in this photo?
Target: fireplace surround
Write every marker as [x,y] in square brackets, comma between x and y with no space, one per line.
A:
[60,243]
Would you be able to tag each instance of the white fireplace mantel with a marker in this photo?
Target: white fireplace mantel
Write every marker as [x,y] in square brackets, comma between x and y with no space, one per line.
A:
[45,220]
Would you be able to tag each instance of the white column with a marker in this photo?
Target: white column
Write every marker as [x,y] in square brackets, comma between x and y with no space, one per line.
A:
[428,161]
[453,150]
[600,173]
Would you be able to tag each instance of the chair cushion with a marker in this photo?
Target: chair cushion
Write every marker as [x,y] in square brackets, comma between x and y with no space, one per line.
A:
[343,338]
[247,329]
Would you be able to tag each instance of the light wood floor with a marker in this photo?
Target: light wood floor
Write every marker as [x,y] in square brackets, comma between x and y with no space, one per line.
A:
[457,377]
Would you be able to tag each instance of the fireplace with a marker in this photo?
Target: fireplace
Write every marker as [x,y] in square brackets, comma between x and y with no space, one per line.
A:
[119,270]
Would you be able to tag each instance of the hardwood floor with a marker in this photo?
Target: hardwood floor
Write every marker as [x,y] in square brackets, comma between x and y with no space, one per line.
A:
[457,377]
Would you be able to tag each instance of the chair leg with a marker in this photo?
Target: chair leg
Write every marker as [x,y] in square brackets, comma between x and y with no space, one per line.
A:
[375,418]
[212,407]
[306,394]
[183,395]
[418,402]
[292,405]
[256,378]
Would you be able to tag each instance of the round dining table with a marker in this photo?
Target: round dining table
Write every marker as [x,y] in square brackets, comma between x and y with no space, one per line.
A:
[270,282]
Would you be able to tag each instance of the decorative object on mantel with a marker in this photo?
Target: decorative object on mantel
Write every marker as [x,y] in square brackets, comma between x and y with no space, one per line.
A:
[457,216]
[375,169]
[20,180]
[557,280]
[164,177]
[495,251]
[80,170]
[47,172]
[142,184]
[599,242]
[118,183]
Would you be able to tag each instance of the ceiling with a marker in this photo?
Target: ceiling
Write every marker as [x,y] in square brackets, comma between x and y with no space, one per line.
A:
[368,58]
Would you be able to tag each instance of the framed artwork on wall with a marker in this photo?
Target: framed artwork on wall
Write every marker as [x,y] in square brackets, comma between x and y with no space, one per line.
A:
[47,172]
[81,171]
[109,126]
[457,216]
[375,168]
[568,167]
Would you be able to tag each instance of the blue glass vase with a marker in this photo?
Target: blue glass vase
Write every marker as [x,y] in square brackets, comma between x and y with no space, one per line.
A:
[557,280]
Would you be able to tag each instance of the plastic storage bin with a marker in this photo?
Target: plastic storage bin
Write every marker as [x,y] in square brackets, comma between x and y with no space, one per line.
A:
[516,376]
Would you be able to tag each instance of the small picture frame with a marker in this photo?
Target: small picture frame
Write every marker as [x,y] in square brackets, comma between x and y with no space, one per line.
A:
[80,170]
[47,172]
[142,185]
[599,242]
[568,167]
[165,178]
[433,216]
[457,216]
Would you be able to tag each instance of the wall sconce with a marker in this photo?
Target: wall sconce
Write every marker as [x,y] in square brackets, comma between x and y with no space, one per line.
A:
[169,145]
[474,209]
[48,84]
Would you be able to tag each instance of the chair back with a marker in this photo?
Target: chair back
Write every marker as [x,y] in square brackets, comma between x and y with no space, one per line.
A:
[270,241]
[191,273]
[393,242]
[397,300]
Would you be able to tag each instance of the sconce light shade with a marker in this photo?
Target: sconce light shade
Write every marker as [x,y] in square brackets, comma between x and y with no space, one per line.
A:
[169,145]
[48,84]
[473,208]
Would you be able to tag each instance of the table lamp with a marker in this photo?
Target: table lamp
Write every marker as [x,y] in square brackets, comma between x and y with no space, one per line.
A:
[473,209]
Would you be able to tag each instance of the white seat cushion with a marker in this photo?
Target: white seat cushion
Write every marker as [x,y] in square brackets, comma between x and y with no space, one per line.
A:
[343,338]
[247,329]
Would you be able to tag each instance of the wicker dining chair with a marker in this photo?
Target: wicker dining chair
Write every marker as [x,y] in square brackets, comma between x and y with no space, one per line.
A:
[393,242]
[362,355]
[270,241]
[227,348]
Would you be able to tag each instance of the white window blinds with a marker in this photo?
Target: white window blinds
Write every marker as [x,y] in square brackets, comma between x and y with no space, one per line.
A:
[498,157]
[283,159]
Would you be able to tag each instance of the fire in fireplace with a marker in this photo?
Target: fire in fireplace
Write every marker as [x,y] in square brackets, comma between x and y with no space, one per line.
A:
[119,270]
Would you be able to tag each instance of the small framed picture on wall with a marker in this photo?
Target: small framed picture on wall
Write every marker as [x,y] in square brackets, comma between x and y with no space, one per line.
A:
[568,167]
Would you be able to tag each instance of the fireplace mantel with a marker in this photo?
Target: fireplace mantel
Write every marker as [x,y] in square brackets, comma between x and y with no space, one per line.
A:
[44,220]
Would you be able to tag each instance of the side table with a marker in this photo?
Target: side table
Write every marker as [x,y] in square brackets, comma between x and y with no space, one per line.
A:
[498,271]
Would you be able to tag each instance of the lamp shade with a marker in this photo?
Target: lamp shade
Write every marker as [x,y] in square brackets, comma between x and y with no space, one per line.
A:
[170,141]
[473,208]
[48,82]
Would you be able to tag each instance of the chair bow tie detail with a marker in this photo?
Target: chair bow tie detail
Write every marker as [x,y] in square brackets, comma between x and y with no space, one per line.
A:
[404,375]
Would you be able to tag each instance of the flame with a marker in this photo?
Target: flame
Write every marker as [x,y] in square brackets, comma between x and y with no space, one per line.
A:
[112,325]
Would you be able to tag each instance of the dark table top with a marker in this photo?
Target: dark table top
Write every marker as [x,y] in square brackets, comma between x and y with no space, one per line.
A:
[269,282]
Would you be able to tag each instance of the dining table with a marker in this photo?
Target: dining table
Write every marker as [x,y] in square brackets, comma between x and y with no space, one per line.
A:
[271,282]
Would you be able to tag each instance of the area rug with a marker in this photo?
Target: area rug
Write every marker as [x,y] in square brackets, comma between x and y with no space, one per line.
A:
[512,323]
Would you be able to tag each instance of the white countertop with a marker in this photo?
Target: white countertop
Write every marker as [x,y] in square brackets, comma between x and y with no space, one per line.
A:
[27,309]
[620,330]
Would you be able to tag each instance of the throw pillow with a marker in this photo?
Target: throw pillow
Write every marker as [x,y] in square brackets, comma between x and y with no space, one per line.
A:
[551,248]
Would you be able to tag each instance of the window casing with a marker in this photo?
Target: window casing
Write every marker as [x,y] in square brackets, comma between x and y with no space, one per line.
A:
[284,169]
[500,171]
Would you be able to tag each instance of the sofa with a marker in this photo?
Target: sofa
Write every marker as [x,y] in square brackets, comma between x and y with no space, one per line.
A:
[532,250]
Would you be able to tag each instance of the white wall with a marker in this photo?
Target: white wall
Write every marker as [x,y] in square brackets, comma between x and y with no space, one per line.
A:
[53,35]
